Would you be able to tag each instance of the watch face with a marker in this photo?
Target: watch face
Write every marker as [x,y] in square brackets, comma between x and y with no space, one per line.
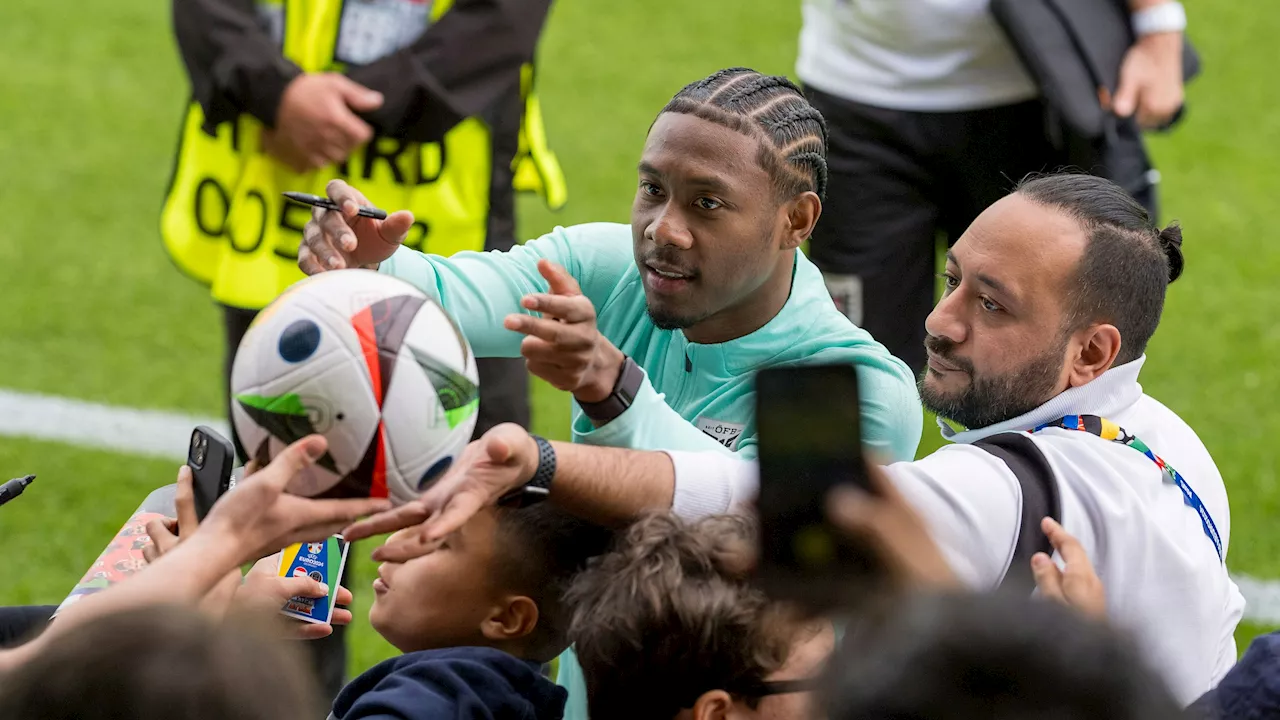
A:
[534,495]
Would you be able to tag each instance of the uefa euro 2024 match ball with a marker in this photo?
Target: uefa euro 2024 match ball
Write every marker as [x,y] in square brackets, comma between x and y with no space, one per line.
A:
[371,363]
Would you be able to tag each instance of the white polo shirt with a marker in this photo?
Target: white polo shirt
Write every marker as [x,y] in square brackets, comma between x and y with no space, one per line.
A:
[917,55]
[1164,580]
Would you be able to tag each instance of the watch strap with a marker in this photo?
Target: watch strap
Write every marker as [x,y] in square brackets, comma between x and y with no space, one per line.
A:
[624,393]
[539,486]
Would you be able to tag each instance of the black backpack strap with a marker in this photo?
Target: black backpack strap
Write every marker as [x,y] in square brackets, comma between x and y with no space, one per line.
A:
[1040,499]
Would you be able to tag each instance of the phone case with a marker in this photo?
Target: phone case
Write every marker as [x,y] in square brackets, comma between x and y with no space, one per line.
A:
[210,474]
[324,562]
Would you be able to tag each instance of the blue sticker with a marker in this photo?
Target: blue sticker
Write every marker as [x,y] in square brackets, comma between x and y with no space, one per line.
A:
[435,471]
[299,340]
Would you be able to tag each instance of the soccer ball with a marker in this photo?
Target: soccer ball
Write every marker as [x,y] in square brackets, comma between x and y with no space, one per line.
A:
[371,363]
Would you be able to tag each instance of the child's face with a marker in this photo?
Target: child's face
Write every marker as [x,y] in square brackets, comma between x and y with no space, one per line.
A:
[440,599]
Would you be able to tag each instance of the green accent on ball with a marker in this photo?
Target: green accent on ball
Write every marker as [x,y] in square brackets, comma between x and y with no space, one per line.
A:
[289,404]
[457,415]
[459,397]
[284,418]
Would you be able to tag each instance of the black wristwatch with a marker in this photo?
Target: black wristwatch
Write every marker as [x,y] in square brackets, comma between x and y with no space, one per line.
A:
[539,486]
[624,393]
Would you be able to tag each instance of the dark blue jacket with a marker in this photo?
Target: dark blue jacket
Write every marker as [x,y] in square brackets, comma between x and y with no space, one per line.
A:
[1251,690]
[468,683]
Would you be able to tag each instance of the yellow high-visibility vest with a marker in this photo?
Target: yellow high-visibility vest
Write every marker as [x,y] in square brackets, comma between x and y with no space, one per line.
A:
[226,224]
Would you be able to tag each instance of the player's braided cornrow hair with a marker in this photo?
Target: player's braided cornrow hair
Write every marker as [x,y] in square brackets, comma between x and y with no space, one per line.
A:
[794,135]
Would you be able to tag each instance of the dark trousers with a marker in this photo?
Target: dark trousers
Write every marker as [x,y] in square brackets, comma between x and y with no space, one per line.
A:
[900,180]
[504,397]
[20,623]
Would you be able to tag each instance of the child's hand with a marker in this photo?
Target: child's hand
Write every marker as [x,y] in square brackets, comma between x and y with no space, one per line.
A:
[166,533]
[264,591]
[1077,585]
[260,518]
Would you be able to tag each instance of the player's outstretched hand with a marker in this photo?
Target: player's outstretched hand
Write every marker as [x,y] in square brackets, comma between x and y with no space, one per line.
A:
[502,460]
[261,518]
[333,240]
[564,346]
[1077,585]
[264,591]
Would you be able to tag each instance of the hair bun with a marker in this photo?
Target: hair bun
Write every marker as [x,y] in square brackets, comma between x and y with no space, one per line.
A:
[1171,244]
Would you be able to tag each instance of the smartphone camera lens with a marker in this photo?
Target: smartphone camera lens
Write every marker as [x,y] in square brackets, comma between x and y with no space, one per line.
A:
[199,449]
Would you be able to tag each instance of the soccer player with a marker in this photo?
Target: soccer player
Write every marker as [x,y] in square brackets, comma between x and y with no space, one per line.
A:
[656,328]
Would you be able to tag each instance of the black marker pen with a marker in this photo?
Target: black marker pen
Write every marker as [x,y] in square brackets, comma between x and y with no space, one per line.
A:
[327,204]
[14,488]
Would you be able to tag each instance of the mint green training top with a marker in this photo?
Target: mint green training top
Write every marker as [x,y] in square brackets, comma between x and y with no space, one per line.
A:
[694,397]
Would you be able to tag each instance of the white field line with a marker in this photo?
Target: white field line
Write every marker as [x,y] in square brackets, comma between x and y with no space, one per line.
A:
[151,433]
[162,434]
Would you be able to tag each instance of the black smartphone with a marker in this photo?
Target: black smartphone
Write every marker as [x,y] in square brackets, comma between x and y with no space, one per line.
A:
[809,440]
[210,458]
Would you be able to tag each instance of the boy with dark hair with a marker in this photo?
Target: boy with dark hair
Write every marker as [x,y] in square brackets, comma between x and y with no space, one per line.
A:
[476,617]
[666,626]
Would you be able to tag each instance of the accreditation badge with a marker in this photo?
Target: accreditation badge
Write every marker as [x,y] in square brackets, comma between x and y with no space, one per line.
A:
[725,433]
[373,29]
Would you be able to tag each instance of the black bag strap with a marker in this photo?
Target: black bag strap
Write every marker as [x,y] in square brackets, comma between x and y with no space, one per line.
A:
[1040,499]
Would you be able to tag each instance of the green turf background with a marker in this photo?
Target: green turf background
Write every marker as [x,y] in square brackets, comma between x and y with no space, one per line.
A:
[90,101]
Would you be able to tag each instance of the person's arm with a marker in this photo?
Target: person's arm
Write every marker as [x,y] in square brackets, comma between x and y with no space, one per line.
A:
[969,500]
[1150,85]
[479,290]
[889,406]
[235,67]
[610,486]
[255,519]
[182,576]
[460,66]
[651,424]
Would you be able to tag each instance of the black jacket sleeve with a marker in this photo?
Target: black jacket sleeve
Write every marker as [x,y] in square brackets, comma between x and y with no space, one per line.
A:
[234,65]
[460,67]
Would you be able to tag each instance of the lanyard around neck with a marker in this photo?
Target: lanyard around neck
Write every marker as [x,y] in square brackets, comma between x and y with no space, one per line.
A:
[1108,430]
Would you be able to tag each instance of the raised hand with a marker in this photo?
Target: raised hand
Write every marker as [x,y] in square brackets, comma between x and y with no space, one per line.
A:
[333,240]
[1077,585]
[265,591]
[261,518]
[502,460]
[564,346]
[1150,86]
[317,124]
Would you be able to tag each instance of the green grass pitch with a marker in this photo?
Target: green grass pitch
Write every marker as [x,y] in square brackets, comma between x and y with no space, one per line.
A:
[92,308]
